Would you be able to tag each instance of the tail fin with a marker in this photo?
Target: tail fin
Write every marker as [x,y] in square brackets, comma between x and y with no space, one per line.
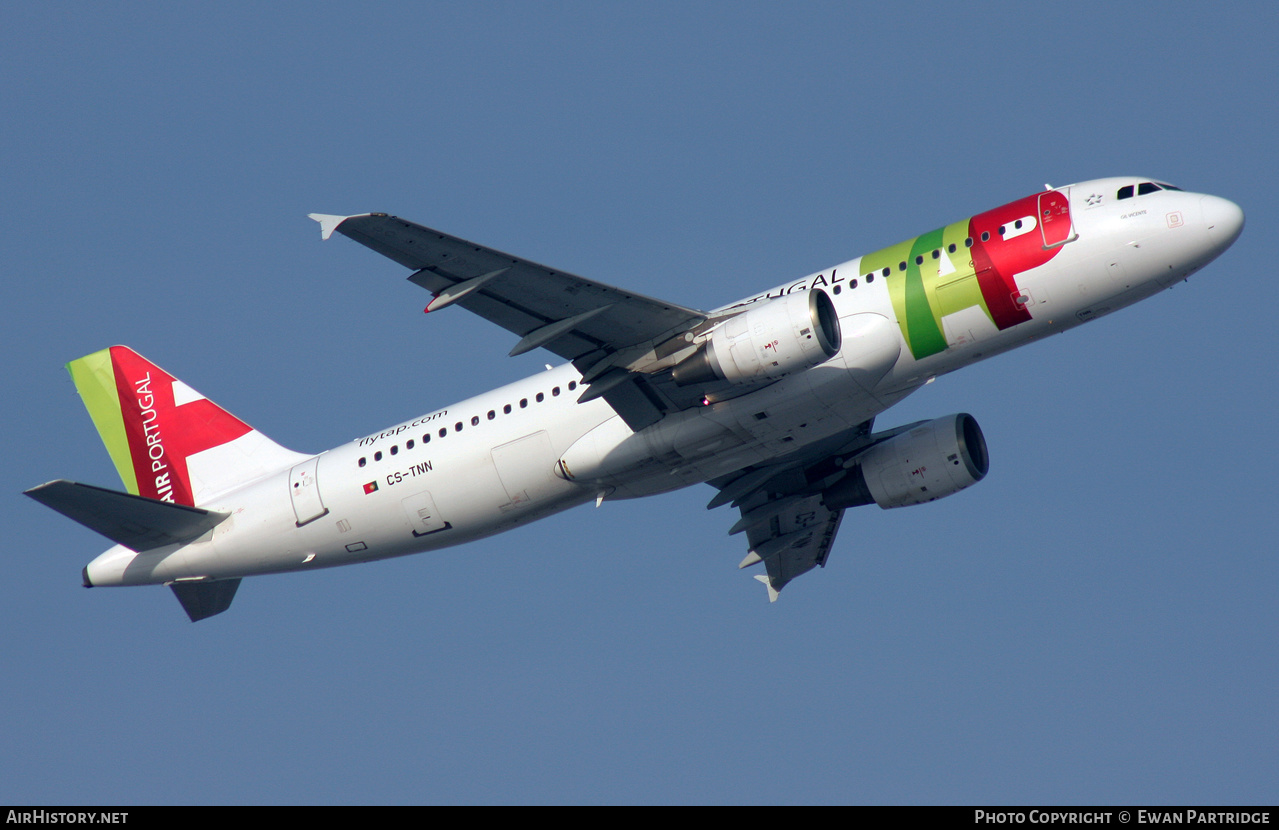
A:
[168,441]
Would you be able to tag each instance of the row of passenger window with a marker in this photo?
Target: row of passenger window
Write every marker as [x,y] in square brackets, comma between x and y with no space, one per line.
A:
[951,248]
[475,421]
[901,266]
[1125,192]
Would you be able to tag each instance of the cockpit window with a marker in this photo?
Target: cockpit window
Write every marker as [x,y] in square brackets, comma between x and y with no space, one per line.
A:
[1167,186]
[1124,192]
[1147,187]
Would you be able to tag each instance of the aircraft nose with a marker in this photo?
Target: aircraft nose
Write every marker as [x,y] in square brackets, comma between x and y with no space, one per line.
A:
[1224,220]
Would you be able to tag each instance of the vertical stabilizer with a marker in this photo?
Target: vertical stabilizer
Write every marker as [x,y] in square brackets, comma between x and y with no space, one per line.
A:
[202,600]
[167,441]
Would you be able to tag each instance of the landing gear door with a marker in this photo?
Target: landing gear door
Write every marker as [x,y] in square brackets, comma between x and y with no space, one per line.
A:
[304,489]
[1054,219]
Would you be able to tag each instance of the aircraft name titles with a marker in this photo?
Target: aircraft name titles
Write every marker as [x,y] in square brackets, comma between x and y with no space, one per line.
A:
[819,281]
[154,444]
[391,433]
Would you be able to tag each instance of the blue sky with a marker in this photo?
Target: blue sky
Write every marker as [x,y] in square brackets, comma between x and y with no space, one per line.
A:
[1094,622]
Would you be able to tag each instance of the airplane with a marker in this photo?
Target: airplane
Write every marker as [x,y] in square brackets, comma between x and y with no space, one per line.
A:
[771,400]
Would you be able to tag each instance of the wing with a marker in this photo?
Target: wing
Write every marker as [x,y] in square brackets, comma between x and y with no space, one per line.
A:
[787,526]
[614,337]
[790,536]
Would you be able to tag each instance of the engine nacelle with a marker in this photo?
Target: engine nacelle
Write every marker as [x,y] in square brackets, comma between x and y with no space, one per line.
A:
[774,339]
[933,460]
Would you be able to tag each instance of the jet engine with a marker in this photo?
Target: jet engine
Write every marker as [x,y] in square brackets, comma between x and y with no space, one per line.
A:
[774,339]
[924,463]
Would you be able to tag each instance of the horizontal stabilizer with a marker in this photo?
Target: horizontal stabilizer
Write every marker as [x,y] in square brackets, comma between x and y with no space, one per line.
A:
[205,599]
[136,522]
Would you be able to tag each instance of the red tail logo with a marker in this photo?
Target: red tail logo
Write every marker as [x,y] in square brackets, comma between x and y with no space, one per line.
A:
[166,422]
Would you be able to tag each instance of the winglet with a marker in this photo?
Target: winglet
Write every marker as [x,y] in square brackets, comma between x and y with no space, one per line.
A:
[772,592]
[328,223]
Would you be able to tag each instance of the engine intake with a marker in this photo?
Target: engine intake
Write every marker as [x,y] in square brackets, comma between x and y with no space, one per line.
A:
[774,339]
[933,460]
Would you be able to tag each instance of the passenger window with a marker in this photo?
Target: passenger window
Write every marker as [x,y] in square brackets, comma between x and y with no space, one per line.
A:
[492,414]
[408,445]
[506,410]
[1147,187]
[871,277]
[852,283]
[886,272]
[377,456]
[572,384]
[444,431]
[836,289]
[968,242]
[555,391]
[919,260]
[395,450]
[540,397]
[457,427]
[951,248]
[901,266]
[363,462]
[985,236]
[475,420]
[1124,192]
[426,438]
[523,403]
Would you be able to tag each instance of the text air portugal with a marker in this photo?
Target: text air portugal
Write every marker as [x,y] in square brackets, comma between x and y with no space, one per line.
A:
[162,434]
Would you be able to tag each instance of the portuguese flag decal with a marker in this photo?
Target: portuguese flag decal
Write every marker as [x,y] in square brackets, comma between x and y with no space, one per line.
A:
[371,487]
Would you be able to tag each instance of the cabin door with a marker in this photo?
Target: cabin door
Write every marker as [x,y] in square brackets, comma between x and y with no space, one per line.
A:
[1054,219]
[304,489]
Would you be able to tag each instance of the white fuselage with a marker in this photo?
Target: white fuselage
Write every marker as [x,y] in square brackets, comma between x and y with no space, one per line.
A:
[488,464]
